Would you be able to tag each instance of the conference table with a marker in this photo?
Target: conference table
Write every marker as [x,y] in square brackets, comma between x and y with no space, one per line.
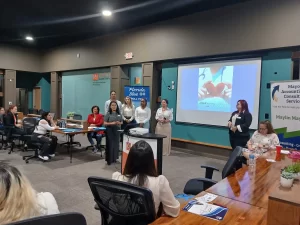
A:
[245,193]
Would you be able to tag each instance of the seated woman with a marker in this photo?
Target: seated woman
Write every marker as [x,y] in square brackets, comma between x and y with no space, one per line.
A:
[41,135]
[140,170]
[11,124]
[263,139]
[95,119]
[18,200]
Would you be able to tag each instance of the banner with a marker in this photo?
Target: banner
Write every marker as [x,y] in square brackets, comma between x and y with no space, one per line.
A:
[136,93]
[285,111]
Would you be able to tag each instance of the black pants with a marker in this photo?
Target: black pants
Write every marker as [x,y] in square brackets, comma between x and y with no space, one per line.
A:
[238,141]
[49,143]
[112,144]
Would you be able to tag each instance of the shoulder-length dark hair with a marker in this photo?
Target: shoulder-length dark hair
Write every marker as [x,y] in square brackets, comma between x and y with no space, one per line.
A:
[44,117]
[269,126]
[117,110]
[140,163]
[97,107]
[244,105]
[10,108]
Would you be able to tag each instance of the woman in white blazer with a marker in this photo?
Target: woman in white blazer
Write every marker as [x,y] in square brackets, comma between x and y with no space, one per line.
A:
[164,116]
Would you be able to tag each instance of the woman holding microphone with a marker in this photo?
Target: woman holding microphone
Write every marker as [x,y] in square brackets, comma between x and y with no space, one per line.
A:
[239,124]
[164,116]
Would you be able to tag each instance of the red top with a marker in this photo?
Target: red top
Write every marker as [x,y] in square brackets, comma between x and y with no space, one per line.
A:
[96,119]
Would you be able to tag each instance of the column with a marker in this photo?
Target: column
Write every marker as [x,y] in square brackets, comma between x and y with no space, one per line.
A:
[10,94]
[56,94]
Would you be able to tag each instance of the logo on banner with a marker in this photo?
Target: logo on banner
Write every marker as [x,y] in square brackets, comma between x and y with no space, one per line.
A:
[95,76]
[275,89]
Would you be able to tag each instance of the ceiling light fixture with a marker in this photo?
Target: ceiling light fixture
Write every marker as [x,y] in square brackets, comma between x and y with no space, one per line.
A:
[106,13]
[29,38]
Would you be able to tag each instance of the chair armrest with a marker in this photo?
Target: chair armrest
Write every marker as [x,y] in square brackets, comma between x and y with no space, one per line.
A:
[96,206]
[209,170]
[196,185]
[207,183]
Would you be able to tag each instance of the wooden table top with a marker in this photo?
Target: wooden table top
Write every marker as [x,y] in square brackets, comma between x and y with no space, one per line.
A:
[252,188]
[238,213]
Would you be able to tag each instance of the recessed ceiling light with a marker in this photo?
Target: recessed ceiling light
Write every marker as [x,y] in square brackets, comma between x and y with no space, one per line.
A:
[106,13]
[29,38]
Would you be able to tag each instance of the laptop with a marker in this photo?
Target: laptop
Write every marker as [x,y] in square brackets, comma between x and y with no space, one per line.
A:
[129,126]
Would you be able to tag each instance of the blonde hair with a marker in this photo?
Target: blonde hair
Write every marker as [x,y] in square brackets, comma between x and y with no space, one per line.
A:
[130,104]
[18,200]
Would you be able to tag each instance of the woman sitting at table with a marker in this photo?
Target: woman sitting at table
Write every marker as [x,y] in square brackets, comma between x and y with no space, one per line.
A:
[113,121]
[95,119]
[41,135]
[263,139]
[143,114]
[140,170]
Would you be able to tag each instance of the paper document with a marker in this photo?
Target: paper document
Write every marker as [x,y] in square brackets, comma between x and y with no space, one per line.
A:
[286,152]
[206,198]
[206,209]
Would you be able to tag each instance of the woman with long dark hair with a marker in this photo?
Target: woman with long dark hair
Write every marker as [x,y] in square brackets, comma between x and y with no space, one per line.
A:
[41,135]
[140,170]
[239,124]
[113,121]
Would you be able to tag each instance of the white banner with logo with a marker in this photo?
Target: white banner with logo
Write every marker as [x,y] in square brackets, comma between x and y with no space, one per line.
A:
[285,112]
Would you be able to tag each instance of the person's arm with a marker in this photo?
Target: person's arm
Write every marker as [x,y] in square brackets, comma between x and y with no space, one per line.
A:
[100,121]
[122,112]
[133,111]
[250,142]
[148,115]
[45,124]
[106,123]
[136,115]
[171,206]
[246,124]
[170,116]
[157,114]
[274,141]
[229,124]
[120,106]
[106,105]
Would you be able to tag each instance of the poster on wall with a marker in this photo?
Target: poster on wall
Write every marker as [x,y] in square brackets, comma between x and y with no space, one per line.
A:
[285,108]
[136,93]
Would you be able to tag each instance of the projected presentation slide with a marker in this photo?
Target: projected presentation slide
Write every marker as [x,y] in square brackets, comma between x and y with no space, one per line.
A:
[207,93]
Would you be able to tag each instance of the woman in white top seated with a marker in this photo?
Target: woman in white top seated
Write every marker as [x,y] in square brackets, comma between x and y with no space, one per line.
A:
[263,139]
[18,200]
[143,114]
[41,135]
[164,116]
[140,170]
[127,112]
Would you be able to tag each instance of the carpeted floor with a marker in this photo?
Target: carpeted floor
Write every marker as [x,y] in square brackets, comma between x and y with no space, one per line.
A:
[68,181]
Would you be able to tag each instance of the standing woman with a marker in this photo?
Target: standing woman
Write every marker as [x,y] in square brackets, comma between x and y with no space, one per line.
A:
[113,97]
[239,124]
[113,121]
[143,114]
[95,119]
[128,110]
[164,116]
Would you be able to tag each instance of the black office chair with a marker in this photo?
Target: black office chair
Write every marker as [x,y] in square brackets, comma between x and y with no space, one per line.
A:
[197,185]
[40,112]
[57,219]
[11,137]
[122,203]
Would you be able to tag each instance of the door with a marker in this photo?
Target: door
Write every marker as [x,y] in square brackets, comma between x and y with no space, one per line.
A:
[22,100]
[37,91]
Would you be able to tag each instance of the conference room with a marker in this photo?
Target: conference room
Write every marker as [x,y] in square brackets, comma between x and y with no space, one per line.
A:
[208,90]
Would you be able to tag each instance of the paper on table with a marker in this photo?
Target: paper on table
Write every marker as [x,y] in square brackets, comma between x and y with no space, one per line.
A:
[206,198]
[285,152]
[270,160]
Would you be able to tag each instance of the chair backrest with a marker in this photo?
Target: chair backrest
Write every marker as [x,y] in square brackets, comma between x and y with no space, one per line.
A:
[57,219]
[29,124]
[41,111]
[229,167]
[77,117]
[121,202]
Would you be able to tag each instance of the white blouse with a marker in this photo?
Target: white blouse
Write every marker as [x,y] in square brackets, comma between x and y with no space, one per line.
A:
[47,203]
[268,140]
[161,114]
[43,127]
[142,115]
[128,112]
[161,191]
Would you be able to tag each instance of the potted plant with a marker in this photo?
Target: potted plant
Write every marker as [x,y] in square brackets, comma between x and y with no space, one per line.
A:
[286,179]
[295,167]
[70,115]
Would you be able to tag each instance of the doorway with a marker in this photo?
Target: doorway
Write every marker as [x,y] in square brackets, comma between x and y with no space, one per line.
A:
[37,98]
[22,100]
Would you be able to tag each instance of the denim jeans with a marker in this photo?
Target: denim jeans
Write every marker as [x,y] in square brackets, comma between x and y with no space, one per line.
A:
[92,135]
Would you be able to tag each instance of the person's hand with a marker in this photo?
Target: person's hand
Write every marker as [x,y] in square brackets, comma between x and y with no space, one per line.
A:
[141,124]
[118,123]
[92,125]
[127,121]
[18,125]
[56,127]
[113,123]
[229,124]
[234,129]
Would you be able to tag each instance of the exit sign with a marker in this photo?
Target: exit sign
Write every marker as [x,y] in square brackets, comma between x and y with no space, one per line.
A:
[128,55]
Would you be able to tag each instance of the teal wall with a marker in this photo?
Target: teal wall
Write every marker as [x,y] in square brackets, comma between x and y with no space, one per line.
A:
[80,92]
[279,62]
[135,71]
[30,80]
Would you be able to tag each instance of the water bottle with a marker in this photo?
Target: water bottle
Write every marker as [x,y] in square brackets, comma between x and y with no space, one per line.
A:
[252,161]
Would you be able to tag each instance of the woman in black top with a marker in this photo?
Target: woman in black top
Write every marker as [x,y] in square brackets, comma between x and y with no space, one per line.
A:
[113,121]
[239,124]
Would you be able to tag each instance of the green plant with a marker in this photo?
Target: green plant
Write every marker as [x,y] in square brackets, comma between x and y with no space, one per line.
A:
[70,114]
[287,175]
[294,168]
